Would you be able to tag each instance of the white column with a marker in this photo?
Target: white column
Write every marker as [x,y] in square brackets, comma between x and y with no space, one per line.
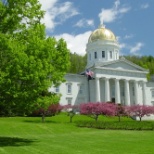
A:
[127,93]
[117,91]
[97,90]
[107,90]
[144,92]
[136,92]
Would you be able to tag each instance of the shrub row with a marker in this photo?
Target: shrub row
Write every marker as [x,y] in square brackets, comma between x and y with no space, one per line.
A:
[125,125]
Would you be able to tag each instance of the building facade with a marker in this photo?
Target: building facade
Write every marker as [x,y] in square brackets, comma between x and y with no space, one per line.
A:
[115,79]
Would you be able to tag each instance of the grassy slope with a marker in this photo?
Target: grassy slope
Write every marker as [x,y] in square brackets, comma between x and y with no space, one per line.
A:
[57,136]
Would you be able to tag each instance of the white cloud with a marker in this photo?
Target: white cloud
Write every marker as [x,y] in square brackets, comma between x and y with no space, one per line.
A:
[117,3]
[65,10]
[144,6]
[123,10]
[76,43]
[48,17]
[122,45]
[128,36]
[109,15]
[85,23]
[47,4]
[136,48]
[57,13]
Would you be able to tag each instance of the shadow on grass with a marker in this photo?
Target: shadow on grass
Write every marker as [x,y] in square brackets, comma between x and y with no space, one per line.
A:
[39,121]
[14,141]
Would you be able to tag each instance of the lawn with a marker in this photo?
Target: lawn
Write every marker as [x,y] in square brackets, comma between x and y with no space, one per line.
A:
[27,135]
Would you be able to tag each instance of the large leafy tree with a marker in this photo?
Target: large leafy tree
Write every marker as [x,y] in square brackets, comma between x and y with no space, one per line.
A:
[29,61]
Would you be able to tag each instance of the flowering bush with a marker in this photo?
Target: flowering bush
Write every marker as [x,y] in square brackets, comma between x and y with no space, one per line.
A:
[52,110]
[140,110]
[95,109]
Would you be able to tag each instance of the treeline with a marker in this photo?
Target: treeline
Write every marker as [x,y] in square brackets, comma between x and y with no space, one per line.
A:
[146,62]
[78,63]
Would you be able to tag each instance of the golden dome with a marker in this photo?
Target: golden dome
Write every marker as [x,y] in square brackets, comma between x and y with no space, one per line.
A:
[102,34]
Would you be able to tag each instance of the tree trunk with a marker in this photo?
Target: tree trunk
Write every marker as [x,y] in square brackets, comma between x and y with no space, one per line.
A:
[71,117]
[43,118]
[96,118]
[119,118]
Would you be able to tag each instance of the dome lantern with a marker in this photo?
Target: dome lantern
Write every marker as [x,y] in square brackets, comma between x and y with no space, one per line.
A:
[102,47]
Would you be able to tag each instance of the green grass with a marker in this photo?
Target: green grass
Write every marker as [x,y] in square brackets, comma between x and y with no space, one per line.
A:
[27,135]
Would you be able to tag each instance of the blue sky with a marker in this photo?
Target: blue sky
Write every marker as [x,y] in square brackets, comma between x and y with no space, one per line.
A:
[131,21]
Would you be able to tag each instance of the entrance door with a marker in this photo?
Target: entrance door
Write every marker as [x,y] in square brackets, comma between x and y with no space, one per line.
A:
[113,99]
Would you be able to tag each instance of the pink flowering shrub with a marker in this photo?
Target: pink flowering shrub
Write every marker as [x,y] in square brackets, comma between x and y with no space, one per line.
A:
[94,110]
[140,110]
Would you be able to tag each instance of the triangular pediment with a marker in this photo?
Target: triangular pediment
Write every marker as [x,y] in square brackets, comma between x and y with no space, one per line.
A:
[122,64]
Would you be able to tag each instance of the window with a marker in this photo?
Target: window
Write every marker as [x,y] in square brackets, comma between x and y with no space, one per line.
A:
[69,101]
[152,103]
[103,54]
[95,55]
[56,89]
[152,93]
[69,88]
[89,56]
[110,54]
[80,89]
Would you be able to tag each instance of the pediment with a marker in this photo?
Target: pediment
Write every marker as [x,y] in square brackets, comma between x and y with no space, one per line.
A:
[123,65]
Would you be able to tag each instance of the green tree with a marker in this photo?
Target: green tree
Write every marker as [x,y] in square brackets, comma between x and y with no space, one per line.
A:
[44,101]
[16,15]
[146,62]
[78,63]
[29,62]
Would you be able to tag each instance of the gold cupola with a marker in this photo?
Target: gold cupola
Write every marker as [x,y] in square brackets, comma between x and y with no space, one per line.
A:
[103,34]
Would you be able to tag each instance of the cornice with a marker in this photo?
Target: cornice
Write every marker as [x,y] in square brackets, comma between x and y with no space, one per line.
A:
[121,70]
[122,60]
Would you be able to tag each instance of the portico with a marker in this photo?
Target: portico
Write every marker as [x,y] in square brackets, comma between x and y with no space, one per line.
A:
[127,95]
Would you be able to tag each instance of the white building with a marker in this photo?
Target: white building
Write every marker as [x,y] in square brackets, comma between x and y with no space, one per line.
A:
[115,79]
